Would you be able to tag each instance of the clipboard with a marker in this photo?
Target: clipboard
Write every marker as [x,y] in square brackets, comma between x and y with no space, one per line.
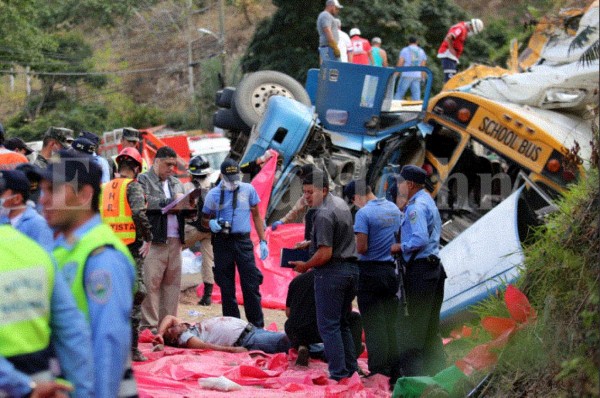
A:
[193,194]
[288,255]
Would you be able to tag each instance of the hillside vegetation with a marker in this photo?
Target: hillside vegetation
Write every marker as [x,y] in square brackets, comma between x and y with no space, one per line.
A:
[105,64]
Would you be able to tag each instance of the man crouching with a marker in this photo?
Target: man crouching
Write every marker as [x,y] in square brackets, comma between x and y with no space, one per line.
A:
[225,333]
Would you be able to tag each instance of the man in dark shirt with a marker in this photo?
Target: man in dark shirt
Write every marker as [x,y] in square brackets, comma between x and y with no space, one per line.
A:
[301,325]
[333,255]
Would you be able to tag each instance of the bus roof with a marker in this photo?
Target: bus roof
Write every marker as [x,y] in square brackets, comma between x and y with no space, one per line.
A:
[565,128]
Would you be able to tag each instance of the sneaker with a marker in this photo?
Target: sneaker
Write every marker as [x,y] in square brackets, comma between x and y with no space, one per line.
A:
[137,356]
[303,354]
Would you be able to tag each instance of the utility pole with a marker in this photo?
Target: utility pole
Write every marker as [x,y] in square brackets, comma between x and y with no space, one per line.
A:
[190,31]
[222,40]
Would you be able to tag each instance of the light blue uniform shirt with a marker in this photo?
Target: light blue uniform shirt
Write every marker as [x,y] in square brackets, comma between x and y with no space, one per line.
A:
[240,219]
[35,226]
[108,279]
[71,339]
[380,221]
[421,227]
[105,168]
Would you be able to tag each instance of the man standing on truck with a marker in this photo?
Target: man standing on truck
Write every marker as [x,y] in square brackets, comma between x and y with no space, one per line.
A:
[454,43]
[421,351]
[411,55]
[328,31]
[361,49]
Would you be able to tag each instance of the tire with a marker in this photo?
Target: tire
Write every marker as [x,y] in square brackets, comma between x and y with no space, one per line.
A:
[253,92]
[227,119]
[224,97]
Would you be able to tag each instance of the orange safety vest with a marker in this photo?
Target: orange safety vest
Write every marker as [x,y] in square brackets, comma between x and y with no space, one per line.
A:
[9,160]
[115,210]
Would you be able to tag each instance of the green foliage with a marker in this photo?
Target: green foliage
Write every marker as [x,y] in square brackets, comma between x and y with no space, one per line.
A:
[560,352]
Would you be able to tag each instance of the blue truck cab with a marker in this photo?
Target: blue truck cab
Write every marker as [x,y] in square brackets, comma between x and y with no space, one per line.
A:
[353,130]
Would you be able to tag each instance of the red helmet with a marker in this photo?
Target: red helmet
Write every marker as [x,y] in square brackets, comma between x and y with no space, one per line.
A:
[131,153]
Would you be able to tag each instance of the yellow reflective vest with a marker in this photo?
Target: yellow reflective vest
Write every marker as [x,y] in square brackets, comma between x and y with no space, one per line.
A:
[26,286]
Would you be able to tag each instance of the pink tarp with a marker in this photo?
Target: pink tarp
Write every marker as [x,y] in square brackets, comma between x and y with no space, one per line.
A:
[275,278]
[176,371]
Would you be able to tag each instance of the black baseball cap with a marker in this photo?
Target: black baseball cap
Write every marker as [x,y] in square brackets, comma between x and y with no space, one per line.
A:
[230,169]
[90,136]
[17,143]
[84,145]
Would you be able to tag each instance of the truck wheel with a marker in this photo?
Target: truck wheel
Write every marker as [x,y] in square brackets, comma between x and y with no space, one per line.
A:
[224,97]
[227,119]
[253,92]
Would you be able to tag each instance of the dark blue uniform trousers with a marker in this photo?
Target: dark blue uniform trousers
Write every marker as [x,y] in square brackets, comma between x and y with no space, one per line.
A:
[231,250]
[378,305]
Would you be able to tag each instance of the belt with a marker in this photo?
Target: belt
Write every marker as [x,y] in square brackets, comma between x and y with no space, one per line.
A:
[235,235]
[247,330]
[376,263]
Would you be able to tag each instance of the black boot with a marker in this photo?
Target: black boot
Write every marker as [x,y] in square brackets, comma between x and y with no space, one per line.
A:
[206,300]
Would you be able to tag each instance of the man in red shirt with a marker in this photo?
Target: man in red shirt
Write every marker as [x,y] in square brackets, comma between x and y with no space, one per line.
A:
[361,48]
[453,45]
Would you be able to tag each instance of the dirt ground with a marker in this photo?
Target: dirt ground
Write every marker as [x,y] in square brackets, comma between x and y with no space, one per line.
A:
[190,311]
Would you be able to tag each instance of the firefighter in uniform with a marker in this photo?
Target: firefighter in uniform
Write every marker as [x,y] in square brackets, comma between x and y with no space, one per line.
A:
[37,311]
[200,169]
[123,207]
[96,264]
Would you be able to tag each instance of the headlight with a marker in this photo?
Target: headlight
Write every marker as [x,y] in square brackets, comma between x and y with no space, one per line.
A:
[563,97]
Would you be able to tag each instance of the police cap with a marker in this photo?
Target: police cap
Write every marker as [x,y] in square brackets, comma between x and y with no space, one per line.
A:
[413,173]
[14,180]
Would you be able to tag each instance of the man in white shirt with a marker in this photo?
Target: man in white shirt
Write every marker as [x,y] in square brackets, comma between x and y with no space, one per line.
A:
[344,43]
[226,333]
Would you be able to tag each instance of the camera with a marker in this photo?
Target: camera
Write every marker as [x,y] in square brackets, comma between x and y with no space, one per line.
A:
[225,227]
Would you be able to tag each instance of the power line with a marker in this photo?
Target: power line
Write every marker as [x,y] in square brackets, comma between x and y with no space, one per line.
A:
[116,72]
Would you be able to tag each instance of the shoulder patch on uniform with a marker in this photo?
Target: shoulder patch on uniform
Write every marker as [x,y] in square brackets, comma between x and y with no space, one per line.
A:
[98,286]
[412,216]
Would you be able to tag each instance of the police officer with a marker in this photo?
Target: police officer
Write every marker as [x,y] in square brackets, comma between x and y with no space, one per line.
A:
[375,225]
[421,351]
[27,332]
[105,166]
[123,207]
[227,210]
[15,210]
[333,257]
[200,170]
[96,264]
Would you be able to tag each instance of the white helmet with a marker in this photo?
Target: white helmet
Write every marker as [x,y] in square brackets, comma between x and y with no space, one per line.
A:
[354,32]
[476,25]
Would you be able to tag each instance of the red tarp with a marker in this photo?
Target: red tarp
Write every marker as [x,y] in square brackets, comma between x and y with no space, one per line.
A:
[275,278]
[176,371]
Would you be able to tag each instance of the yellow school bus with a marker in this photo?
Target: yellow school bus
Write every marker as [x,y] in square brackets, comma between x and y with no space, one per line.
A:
[474,135]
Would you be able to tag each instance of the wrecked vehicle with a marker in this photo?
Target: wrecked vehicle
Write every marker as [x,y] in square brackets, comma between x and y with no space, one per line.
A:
[493,167]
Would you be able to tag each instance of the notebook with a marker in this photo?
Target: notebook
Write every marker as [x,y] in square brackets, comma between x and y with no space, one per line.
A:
[288,255]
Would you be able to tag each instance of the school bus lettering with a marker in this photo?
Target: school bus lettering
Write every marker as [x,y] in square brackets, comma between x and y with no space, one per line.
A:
[498,132]
[509,138]
[530,150]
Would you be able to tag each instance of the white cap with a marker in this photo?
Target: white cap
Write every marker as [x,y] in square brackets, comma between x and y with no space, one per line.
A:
[476,25]
[333,3]
[354,32]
